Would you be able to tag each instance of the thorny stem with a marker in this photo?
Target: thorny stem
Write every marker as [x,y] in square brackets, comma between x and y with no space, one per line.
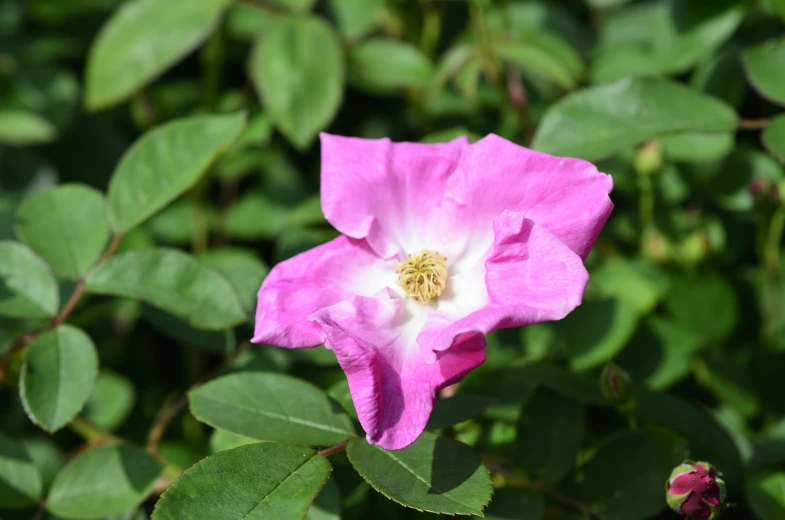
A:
[169,412]
[332,450]
[58,320]
[753,124]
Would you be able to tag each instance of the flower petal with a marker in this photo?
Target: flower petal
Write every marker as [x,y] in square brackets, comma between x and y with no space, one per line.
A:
[392,386]
[567,196]
[384,191]
[317,278]
[531,276]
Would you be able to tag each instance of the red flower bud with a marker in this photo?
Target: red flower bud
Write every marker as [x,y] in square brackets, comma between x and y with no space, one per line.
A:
[694,489]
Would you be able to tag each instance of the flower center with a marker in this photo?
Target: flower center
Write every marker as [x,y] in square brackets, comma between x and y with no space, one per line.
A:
[423,276]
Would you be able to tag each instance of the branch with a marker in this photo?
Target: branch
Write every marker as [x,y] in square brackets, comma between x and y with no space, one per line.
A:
[332,450]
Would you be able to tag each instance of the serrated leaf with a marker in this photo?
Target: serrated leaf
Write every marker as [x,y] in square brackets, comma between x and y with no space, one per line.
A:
[765,67]
[547,416]
[173,281]
[624,479]
[253,482]
[27,288]
[20,480]
[58,376]
[434,474]
[596,122]
[298,70]
[270,407]
[110,402]
[382,65]
[66,226]
[774,138]
[164,163]
[103,481]
[140,41]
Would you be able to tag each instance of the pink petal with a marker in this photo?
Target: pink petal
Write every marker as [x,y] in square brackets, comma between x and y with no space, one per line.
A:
[684,483]
[320,277]
[567,196]
[531,277]
[380,190]
[392,386]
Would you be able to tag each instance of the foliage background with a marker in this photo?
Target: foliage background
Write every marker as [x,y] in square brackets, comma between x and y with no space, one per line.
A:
[680,100]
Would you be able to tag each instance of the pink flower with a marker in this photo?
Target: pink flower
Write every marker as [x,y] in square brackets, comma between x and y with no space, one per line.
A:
[442,243]
[695,489]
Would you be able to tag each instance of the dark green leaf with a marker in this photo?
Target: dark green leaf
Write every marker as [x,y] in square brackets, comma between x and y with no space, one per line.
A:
[166,162]
[598,121]
[140,41]
[434,474]
[515,504]
[47,457]
[77,240]
[705,305]
[456,409]
[548,416]
[766,495]
[774,138]
[173,281]
[298,71]
[27,288]
[20,480]
[270,407]
[327,505]
[624,480]
[103,481]
[58,376]
[765,66]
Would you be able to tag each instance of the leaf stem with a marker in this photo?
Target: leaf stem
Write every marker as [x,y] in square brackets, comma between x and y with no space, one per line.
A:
[332,450]
[753,124]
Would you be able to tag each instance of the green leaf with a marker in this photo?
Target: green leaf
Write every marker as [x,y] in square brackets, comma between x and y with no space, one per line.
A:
[596,122]
[217,341]
[327,505]
[103,481]
[166,162]
[722,76]
[22,127]
[298,70]
[243,270]
[548,416]
[456,409]
[698,147]
[253,482]
[357,17]
[27,288]
[46,456]
[765,66]
[222,441]
[774,138]
[66,226]
[58,376]
[140,41]
[20,480]
[766,495]
[514,504]
[181,221]
[705,305]
[434,474]
[111,401]
[624,480]
[270,407]
[255,216]
[173,281]
[533,58]
[382,65]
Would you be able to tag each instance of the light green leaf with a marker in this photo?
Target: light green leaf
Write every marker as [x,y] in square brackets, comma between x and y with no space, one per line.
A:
[173,281]
[698,147]
[140,41]
[22,127]
[435,474]
[545,417]
[166,162]
[20,480]
[624,480]
[253,482]
[46,456]
[766,495]
[221,441]
[255,216]
[357,17]
[58,376]
[534,59]
[596,122]
[270,407]
[27,288]
[66,226]
[103,481]
[298,70]
[181,221]
[243,270]
[765,66]
[111,401]
[382,65]
[774,138]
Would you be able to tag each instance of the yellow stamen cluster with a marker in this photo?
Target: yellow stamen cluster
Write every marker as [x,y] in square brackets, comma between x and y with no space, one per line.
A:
[423,276]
